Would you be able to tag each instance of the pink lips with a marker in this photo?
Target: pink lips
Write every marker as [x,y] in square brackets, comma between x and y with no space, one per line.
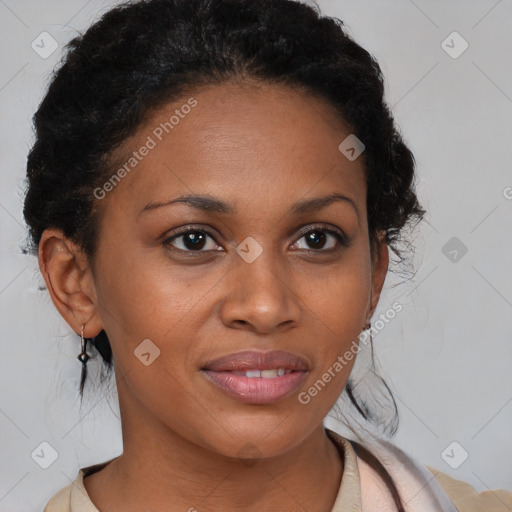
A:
[228,374]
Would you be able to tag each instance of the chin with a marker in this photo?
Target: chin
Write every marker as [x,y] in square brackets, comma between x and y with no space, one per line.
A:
[253,438]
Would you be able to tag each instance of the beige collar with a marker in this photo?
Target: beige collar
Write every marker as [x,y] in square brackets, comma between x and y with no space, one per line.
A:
[348,498]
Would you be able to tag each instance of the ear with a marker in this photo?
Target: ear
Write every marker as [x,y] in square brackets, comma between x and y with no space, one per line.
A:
[70,282]
[380,263]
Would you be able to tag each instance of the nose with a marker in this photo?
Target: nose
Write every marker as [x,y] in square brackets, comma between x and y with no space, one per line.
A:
[260,298]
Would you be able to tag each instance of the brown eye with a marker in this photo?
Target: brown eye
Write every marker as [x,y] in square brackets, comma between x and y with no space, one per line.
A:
[316,239]
[323,239]
[192,240]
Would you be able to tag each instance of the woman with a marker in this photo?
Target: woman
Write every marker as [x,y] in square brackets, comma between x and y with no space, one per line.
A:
[213,191]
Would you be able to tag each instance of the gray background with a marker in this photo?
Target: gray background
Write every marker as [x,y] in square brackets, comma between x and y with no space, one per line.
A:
[446,356]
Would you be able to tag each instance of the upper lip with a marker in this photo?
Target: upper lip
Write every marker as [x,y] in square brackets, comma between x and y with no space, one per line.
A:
[251,359]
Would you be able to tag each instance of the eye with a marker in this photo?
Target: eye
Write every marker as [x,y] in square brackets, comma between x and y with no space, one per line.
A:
[195,240]
[191,240]
[317,238]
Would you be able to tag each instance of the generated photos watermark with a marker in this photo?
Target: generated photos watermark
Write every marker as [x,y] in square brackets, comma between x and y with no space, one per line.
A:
[157,135]
[342,361]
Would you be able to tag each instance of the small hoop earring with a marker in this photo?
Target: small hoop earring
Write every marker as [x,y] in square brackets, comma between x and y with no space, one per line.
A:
[83,357]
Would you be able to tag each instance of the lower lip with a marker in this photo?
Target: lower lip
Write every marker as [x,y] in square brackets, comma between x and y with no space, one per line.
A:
[256,390]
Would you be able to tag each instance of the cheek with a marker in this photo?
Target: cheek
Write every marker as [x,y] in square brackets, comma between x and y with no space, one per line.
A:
[338,304]
[142,295]
[339,296]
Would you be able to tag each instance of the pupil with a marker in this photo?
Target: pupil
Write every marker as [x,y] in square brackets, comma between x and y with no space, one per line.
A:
[314,237]
[194,240]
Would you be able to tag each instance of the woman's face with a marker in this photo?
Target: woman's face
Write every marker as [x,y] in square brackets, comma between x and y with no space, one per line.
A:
[254,274]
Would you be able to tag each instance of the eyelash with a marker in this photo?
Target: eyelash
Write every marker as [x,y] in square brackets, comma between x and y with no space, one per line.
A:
[339,236]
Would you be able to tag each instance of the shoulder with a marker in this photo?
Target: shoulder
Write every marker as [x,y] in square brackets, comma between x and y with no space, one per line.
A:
[417,487]
[60,502]
[415,484]
[468,499]
[426,488]
[74,497]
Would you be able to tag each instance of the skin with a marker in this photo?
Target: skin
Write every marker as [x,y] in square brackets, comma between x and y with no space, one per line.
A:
[186,443]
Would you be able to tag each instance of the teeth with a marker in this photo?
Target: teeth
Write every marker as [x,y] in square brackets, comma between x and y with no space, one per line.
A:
[267,374]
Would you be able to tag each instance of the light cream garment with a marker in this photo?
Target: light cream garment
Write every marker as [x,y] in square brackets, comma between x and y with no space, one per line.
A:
[361,489]
[418,488]
[422,489]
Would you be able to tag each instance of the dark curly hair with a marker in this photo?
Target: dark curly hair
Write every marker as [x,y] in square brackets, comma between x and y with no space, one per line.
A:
[143,54]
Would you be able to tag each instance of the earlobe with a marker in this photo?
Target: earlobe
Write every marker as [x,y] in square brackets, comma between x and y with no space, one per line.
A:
[69,281]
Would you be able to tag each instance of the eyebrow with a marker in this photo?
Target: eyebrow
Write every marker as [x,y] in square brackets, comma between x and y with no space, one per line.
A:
[212,205]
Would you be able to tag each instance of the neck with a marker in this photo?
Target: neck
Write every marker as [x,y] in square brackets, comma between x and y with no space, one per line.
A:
[161,469]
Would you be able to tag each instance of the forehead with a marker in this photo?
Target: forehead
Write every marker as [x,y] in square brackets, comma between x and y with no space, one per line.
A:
[239,141]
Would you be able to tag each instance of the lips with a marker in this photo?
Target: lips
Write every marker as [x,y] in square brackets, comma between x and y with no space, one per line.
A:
[257,377]
[253,360]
